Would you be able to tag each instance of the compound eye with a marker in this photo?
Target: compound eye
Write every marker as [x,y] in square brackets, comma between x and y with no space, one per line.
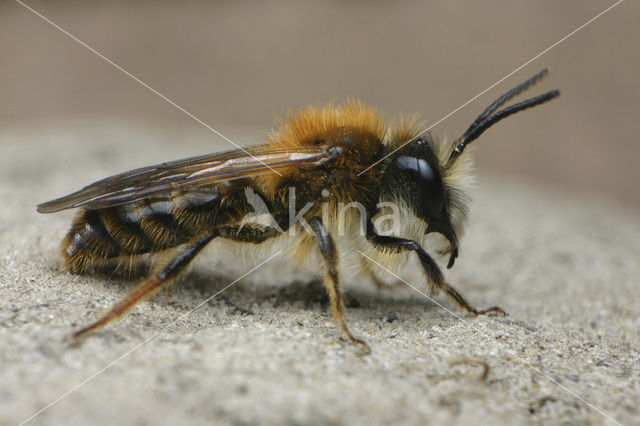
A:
[429,182]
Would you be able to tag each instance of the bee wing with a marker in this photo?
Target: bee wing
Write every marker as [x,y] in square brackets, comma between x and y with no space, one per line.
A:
[198,174]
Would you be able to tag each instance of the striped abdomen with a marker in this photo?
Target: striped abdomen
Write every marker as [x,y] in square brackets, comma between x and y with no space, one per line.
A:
[132,229]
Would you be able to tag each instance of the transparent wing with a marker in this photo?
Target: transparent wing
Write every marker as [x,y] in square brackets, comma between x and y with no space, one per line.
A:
[190,174]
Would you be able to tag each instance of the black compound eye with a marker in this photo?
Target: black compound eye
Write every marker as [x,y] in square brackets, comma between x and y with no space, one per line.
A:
[429,182]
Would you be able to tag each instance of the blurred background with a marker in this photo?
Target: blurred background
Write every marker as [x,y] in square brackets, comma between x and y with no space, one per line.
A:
[236,65]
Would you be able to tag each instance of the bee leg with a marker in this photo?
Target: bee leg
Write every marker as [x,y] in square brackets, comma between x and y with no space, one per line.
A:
[151,286]
[248,234]
[331,281]
[430,268]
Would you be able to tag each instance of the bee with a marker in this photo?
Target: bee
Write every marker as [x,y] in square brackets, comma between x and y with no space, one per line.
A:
[339,154]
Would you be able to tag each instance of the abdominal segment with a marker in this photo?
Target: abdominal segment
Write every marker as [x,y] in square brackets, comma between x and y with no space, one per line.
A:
[148,226]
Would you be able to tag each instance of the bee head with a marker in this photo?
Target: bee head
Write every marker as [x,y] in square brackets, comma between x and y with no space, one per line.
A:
[415,176]
[431,178]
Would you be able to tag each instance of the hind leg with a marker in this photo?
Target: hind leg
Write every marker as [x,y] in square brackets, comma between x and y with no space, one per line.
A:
[150,287]
[171,270]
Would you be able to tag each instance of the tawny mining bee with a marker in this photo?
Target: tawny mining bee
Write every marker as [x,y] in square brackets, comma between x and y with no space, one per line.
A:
[315,163]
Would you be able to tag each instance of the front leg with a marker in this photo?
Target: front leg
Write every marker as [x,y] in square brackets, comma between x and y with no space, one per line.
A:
[430,267]
[331,281]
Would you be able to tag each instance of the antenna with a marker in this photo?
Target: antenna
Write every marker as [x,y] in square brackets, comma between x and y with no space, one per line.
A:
[486,120]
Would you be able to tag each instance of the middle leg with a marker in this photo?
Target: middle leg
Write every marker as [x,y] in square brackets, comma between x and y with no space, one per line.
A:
[331,281]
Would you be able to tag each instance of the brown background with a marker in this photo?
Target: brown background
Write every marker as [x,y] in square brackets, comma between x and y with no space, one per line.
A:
[236,65]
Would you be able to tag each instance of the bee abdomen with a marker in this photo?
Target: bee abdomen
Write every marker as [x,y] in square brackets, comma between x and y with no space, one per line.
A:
[100,235]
